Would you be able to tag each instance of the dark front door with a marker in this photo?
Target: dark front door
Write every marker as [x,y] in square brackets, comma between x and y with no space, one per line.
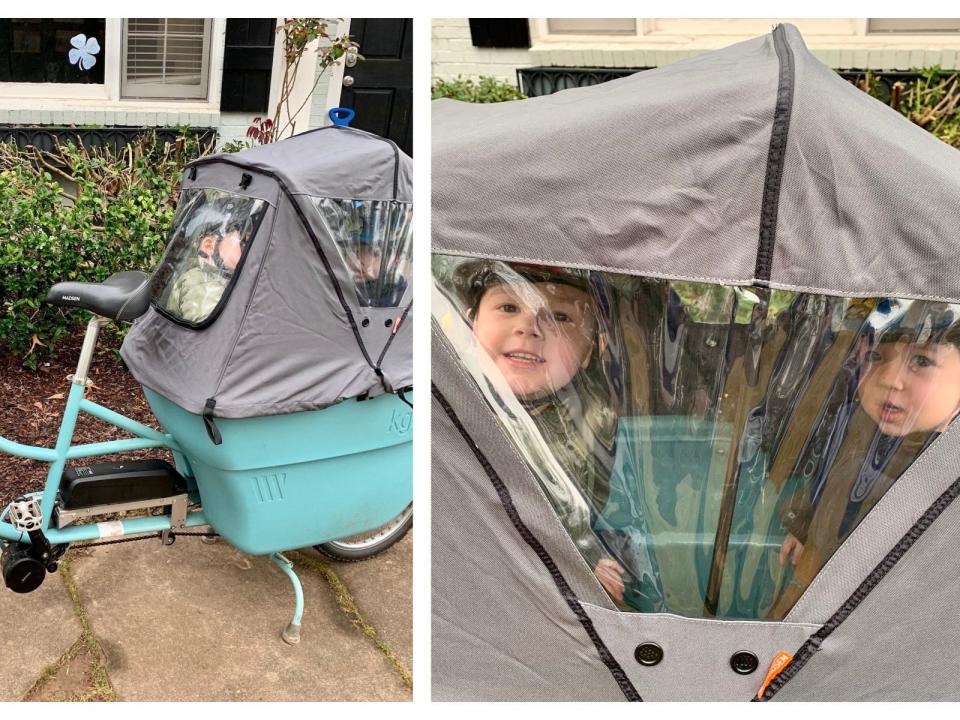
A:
[381,86]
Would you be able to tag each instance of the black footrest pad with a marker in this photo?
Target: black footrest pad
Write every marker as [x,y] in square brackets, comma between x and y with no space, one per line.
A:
[106,483]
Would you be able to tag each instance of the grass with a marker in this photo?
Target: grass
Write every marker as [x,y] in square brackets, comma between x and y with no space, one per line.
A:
[349,608]
[99,688]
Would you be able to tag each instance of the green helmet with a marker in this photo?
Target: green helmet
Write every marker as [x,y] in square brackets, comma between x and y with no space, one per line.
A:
[472,279]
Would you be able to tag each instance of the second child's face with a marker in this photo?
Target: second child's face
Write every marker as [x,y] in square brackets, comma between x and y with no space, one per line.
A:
[538,337]
[909,387]
[231,250]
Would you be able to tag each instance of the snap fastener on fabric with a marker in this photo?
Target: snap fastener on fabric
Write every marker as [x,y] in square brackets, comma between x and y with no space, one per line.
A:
[648,654]
[365,322]
[744,662]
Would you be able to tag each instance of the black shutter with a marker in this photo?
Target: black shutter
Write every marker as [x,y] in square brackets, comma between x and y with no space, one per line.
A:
[500,32]
[247,64]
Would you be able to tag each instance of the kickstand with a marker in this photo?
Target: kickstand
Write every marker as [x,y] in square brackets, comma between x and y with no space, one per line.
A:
[291,635]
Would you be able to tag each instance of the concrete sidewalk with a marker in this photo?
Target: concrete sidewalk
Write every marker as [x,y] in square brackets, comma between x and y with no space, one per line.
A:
[202,622]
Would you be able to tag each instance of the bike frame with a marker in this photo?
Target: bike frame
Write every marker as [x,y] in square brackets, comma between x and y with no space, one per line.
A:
[64,450]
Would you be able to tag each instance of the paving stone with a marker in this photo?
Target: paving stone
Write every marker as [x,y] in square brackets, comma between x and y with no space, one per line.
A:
[36,629]
[382,588]
[202,622]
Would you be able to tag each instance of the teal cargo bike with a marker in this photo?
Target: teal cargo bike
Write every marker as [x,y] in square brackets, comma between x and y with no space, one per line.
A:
[273,344]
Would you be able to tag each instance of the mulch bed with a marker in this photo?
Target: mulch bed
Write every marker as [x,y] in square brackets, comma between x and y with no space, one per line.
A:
[32,403]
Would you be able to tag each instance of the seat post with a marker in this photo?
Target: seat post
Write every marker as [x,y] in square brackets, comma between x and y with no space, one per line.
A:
[86,352]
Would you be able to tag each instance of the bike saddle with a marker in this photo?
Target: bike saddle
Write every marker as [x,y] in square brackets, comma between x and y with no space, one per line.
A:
[122,296]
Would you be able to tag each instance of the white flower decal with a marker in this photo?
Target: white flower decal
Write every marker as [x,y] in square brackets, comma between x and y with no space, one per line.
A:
[83,51]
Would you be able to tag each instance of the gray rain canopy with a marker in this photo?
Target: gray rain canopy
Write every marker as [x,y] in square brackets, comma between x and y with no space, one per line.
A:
[696,365]
[286,281]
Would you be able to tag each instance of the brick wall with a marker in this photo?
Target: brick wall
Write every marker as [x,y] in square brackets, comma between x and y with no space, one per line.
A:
[453,54]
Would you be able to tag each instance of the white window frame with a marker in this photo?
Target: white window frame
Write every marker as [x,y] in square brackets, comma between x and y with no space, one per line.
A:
[162,91]
[953,32]
[669,35]
[632,32]
[72,96]
[69,90]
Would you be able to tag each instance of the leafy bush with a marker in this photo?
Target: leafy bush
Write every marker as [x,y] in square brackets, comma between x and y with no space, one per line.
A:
[932,101]
[78,214]
[487,90]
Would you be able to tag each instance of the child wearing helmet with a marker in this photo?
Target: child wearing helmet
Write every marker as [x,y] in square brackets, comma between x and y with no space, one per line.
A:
[907,379]
[198,289]
[541,330]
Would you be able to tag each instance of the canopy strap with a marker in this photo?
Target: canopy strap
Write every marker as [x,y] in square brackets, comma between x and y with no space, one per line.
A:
[212,430]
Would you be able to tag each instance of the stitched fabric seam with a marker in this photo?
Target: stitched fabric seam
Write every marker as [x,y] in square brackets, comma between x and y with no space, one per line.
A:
[386,347]
[813,643]
[880,292]
[775,158]
[626,687]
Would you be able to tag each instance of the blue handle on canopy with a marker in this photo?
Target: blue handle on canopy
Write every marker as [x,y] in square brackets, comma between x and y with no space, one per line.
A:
[341,116]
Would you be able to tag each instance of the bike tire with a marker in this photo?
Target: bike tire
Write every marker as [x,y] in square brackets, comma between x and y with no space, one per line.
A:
[366,545]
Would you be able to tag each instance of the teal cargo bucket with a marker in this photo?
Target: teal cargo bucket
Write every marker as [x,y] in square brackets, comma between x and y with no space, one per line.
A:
[288,481]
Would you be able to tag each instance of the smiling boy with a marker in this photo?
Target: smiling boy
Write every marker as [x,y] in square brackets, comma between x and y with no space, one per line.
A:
[538,336]
[540,328]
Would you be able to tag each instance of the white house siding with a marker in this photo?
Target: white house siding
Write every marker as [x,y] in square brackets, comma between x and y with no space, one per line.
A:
[233,126]
[453,54]
[54,111]
[39,115]
[320,102]
[838,42]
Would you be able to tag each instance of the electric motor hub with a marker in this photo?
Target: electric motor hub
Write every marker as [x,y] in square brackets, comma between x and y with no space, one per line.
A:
[22,573]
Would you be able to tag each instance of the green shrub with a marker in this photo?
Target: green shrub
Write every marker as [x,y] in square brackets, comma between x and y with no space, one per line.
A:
[487,90]
[78,214]
[932,101]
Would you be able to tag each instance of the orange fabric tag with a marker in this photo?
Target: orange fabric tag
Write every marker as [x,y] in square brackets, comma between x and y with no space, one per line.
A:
[776,667]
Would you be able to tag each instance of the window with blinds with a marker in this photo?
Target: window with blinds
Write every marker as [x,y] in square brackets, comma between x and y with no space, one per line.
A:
[592,26]
[166,58]
[914,26]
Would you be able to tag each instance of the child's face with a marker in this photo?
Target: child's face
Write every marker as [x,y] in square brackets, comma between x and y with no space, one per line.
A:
[231,250]
[538,338]
[909,387]
[366,265]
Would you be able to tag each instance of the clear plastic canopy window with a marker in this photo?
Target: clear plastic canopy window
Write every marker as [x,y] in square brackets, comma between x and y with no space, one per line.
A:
[707,448]
[208,242]
[374,241]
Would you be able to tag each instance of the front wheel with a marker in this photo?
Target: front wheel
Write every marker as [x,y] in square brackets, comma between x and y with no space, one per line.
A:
[368,544]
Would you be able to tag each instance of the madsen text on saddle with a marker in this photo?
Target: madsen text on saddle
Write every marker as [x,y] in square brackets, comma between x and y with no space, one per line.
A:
[273,348]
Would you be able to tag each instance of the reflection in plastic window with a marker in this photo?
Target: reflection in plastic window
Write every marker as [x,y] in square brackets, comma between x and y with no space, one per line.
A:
[707,448]
[208,241]
[373,238]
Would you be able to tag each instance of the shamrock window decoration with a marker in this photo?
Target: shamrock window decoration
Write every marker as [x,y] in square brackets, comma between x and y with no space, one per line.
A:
[83,51]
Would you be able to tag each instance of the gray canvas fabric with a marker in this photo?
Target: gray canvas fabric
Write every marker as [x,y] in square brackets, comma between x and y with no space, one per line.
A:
[659,173]
[283,342]
[696,652]
[531,503]
[893,516]
[336,162]
[535,651]
[501,631]
[901,642]
[870,204]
